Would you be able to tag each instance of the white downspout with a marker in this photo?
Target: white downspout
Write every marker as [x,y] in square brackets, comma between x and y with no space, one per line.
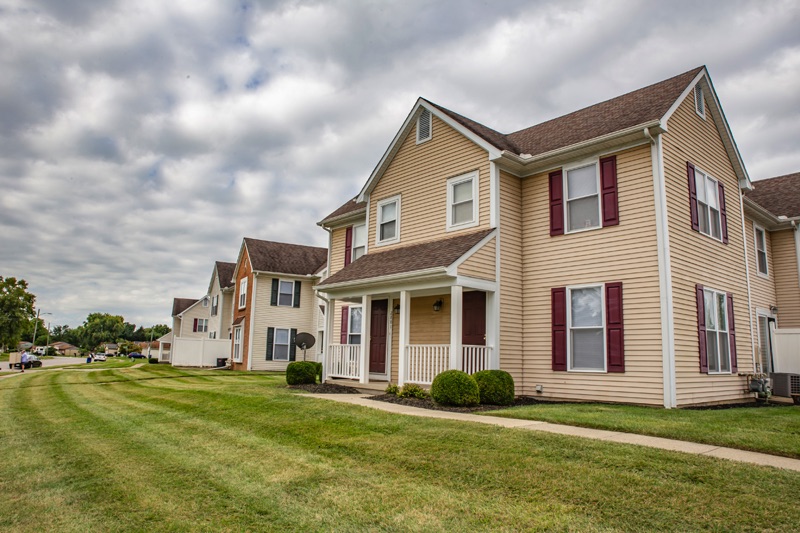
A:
[750,309]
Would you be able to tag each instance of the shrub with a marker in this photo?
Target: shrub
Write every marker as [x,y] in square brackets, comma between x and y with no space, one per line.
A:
[153,360]
[411,390]
[301,372]
[454,387]
[496,387]
[392,389]
[318,370]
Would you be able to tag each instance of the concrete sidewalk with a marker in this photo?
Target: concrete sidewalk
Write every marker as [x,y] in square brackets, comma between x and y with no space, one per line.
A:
[719,452]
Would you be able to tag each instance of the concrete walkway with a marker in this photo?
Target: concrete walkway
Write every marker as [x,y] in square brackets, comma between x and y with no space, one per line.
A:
[708,450]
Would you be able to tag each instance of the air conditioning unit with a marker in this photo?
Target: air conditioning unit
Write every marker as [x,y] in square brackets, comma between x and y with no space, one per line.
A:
[787,385]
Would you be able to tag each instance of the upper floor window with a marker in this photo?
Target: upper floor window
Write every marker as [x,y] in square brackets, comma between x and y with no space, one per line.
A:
[761,250]
[214,305]
[708,214]
[205,301]
[424,126]
[699,103]
[582,197]
[388,221]
[286,293]
[242,293]
[359,241]
[462,201]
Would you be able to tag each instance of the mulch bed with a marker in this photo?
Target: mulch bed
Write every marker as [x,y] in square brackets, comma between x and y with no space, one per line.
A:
[430,404]
[326,388]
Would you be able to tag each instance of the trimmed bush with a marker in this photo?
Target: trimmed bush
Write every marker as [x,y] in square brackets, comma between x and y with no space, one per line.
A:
[392,389]
[318,367]
[153,360]
[496,387]
[301,373]
[454,387]
[411,390]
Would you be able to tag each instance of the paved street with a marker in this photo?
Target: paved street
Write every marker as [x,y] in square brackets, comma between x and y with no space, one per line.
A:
[55,361]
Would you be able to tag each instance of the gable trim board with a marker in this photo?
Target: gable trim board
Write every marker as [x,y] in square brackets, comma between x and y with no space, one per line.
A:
[252,310]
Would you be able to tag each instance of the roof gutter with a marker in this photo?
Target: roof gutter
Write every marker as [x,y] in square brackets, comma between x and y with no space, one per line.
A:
[343,218]
[418,275]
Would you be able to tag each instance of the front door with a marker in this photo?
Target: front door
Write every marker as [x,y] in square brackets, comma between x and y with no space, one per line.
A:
[377,337]
[473,325]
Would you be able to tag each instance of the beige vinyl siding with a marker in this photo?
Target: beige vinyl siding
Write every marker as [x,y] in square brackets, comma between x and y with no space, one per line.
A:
[787,284]
[338,240]
[627,253]
[419,174]
[427,326]
[197,311]
[481,264]
[274,316]
[221,323]
[697,258]
[511,295]
[762,289]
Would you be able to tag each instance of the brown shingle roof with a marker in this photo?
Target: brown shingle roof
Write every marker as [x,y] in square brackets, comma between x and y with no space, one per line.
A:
[284,258]
[441,253]
[350,207]
[779,196]
[225,273]
[631,109]
[179,305]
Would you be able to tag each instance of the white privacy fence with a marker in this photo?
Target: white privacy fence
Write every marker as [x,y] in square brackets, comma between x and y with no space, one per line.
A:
[199,352]
[342,360]
[787,350]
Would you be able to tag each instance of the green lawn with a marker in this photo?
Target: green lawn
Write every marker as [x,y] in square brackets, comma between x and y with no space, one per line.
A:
[774,430]
[155,448]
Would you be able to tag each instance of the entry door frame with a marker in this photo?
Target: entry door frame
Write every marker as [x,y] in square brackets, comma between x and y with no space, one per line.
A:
[388,355]
[771,319]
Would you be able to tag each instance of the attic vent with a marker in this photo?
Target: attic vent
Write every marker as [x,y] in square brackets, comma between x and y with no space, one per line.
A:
[699,103]
[423,126]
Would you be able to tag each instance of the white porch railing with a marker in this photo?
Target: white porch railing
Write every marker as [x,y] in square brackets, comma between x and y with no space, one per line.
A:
[342,360]
[475,358]
[425,361]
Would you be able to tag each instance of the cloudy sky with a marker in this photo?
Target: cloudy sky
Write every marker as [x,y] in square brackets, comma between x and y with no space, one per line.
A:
[140,140]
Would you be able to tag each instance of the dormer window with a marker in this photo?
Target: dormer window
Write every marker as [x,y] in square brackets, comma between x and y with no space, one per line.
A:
[423,126]
[699,103]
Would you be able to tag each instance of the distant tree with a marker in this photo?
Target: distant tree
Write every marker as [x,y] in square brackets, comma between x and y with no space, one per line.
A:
[140,335]
[16,310]
[159,330]
[60,333]
[99,328]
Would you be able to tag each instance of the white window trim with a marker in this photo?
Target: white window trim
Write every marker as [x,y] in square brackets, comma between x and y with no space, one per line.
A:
[756,229]
[202,325]
[278,301]
[451,183]
[567,199]
[728,372]
[215,305]
[242,293]
[378,221]
[205,301]
[237,357]
[353,247]
[707,176]
[288,344]
[698,91]
[430,126]
[350,323]
[570,288]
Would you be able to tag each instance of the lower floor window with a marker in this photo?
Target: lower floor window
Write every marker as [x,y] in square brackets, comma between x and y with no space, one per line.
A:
[717,343]
[586,329]
[280,347]
[237,345]
[354,326]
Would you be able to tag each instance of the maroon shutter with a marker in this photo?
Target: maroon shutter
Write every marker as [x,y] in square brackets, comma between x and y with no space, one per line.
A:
[348,246]
[701,329]
[608,183]
[723,213]
[556,203]
[558,309]
[693,197]
[615,344]
[194,327]
[345,317]
[732,334]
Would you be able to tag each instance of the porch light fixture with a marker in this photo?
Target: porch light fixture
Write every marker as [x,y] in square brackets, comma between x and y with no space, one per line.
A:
[773,309]
[437,305]
[397,309]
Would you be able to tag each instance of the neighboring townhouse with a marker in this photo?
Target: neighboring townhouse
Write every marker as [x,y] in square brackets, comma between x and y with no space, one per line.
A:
[192,321]
[772,215]
[596,256]
[220,294]
[274,300]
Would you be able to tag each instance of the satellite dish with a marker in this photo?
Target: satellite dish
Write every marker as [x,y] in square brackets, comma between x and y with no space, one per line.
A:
[304,341]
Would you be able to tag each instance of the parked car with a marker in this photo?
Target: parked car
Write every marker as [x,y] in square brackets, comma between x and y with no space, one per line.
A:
[99,357]
[136,355]
[33,362]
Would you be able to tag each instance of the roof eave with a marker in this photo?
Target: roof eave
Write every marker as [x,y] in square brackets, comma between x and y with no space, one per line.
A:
[769,220]
[417,275]
[343,219]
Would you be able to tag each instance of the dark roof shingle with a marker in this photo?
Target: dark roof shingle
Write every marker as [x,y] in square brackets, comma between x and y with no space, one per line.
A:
[779,196]
[225,273]
[179,305]
[284,258]
[441,253]
[351,206]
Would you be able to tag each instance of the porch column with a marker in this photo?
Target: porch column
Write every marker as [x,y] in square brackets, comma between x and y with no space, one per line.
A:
[327,336]
[493,328]
[363,362]
[405,314]
[456,300]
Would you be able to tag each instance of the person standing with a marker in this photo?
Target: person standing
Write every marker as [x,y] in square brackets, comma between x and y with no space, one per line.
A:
[23,360]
